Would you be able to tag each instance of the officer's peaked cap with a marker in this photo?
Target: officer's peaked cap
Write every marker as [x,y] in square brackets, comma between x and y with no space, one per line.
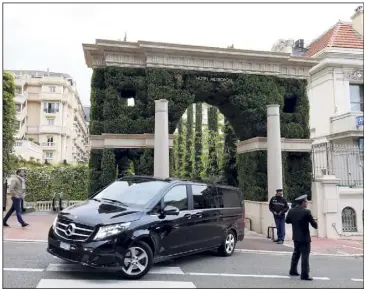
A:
[302,198]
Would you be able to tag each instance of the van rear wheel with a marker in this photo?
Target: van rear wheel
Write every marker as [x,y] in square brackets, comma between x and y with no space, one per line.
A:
[137,261]
[228,246]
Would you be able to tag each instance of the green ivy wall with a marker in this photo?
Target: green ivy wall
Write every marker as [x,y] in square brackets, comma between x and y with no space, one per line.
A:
[241,98]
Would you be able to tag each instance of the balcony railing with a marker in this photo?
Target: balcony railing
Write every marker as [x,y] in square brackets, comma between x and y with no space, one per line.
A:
[346,123]
[49,144]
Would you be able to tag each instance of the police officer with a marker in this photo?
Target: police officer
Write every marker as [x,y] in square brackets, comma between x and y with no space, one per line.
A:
[279,206]
[300,218]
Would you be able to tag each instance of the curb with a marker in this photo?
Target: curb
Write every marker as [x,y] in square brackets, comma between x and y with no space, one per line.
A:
[290,253]
[25,241]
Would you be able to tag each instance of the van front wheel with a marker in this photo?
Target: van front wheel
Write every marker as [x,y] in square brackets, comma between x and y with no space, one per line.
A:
[228,247]
[137,261]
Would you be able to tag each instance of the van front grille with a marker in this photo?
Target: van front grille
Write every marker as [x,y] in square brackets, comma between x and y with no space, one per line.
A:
[73,231]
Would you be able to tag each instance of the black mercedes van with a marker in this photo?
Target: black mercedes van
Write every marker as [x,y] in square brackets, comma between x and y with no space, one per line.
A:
[137,221]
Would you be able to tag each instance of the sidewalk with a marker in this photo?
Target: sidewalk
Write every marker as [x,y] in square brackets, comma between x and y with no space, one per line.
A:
[334,246]
[40,223]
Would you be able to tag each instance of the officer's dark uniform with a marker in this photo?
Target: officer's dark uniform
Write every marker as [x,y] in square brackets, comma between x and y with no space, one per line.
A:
[300,218]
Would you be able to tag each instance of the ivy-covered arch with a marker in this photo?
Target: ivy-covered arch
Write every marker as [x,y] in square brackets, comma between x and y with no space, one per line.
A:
[242,98]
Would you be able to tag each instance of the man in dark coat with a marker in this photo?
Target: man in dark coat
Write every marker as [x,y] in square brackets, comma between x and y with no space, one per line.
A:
[300,218]
[279,206]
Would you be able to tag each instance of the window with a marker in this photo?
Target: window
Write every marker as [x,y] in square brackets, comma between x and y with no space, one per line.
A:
[18,107]
[177,197]
[50,139]
[349,223]
[135,192]
[52,88]
[356,97]
[51,107]
[49,155]
[18,90]
[204,197]
[231,198]
[51,121]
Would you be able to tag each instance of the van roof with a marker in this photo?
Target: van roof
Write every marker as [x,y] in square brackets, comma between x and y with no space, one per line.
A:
[173,179]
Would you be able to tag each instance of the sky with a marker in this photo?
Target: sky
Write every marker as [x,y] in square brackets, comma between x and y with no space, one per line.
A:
[50,36]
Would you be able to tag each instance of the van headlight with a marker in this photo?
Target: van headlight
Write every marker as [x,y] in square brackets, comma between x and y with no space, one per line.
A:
[54,223]
[111,230]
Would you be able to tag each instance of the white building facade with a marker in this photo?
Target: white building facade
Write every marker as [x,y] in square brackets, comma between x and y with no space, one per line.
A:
[50,114]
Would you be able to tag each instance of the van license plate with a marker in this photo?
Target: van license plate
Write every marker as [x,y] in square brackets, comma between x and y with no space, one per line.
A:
[65,246]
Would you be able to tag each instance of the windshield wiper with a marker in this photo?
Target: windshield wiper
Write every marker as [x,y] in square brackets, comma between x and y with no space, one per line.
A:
[115,201]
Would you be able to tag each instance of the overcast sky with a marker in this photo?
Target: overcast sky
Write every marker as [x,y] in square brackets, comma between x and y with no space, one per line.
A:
[41,36]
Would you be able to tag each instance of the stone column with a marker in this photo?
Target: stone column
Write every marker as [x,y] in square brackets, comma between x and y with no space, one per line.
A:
[161,139]
[274,159]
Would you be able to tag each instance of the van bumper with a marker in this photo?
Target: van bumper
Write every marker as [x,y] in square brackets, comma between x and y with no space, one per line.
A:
[95,254]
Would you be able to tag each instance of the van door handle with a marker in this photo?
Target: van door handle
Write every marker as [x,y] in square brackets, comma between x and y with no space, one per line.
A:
[198,215]
[188,216]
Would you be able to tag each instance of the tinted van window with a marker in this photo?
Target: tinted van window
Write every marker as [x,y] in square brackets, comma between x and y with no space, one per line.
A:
[204,197]
[177,197]
[131,192]
[230,198]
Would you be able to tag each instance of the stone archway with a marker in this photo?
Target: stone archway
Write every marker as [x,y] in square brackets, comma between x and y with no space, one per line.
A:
[240,83]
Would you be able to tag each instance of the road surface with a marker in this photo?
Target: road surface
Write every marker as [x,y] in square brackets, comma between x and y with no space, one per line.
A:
[28,265]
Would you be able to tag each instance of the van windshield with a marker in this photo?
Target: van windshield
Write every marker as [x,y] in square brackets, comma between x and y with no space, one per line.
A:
[130,192]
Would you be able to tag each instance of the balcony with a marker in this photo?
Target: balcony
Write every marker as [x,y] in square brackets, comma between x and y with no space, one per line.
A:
[21,98]
[28,150]
[346,125]
[53,80]
[52,96]
[49,145]
[50,129]
[21,114]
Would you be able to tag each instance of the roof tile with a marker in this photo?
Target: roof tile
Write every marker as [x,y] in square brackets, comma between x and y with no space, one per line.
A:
[341,35]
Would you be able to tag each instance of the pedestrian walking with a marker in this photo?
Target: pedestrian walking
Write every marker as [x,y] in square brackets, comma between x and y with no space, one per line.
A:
[279,206]
[300,217]
[17,189]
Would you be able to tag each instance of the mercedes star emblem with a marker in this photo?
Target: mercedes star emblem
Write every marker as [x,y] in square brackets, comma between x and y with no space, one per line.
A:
[70,230]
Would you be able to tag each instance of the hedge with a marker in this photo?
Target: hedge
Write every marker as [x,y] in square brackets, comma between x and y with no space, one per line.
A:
[241,98]
[8,119]
[43,182]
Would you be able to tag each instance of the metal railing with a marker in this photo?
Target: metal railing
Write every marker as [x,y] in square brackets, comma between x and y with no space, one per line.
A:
[343,161]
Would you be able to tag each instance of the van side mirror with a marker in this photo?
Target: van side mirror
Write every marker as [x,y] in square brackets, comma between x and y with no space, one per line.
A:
[171,211]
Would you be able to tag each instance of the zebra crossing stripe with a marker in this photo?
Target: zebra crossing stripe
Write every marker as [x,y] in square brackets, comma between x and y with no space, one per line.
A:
[62,267]
[66,283]
[357,280]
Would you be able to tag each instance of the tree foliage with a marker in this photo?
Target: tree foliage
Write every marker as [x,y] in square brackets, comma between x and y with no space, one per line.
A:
[189,153]
[213,162]
[8,119]
[109,172]
[229,167]
[198,166]
[181,149]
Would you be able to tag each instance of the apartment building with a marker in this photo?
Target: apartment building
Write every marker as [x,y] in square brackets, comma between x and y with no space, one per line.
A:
[50,115]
